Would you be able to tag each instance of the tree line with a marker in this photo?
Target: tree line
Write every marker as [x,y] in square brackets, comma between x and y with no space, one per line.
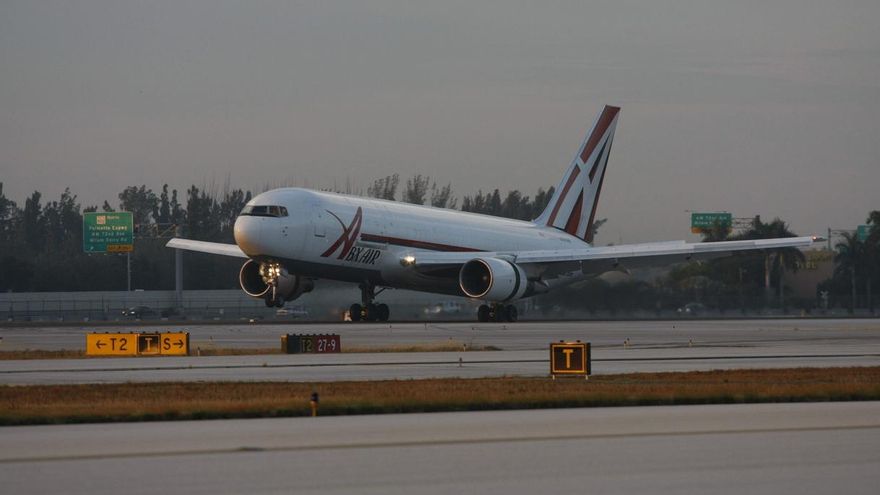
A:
[41,249]
[748,281]
[41,240]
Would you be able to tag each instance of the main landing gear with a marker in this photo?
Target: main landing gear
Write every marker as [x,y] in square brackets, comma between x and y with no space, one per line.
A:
[497,312]
[368,311]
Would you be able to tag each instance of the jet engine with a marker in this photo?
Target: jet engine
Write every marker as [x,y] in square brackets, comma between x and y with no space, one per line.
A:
[492,279]
[260,279]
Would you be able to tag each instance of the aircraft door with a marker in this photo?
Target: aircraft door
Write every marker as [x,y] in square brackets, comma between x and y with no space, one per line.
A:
[319,222]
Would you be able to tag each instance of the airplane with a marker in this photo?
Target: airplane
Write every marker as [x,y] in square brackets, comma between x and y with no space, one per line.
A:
[291,237]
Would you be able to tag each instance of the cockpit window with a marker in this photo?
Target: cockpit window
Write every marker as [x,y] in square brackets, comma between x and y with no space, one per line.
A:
[264,211]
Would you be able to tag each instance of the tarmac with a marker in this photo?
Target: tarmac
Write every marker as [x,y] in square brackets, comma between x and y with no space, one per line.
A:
[752,448]
[617,347]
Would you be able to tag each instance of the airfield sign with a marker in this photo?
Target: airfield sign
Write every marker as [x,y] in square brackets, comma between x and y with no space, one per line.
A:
[570,358]
[137,344]
[706,221]
[105,232]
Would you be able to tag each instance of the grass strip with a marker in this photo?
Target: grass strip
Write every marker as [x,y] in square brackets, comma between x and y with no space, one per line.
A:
[42,404]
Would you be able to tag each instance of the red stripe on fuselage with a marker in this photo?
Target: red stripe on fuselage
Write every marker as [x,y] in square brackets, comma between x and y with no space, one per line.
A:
[433,246]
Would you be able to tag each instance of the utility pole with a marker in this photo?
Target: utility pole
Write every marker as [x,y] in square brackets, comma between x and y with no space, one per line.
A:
[178,272]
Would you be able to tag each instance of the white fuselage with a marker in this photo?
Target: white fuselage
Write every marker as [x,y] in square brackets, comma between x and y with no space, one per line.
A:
[354,239]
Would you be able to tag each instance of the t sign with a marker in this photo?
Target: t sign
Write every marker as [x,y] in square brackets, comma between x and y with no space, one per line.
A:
[569,358]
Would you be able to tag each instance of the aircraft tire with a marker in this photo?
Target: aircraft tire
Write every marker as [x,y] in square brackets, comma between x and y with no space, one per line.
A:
[510,313]
[483,314]
[371,313]
[269,302]
[498,314]
[355,312]
[382,312]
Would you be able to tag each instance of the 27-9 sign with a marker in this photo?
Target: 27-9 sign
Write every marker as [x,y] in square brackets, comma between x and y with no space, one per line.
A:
[311,344]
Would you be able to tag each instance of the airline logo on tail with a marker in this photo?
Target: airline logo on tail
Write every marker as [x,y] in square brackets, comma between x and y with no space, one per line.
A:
[573,206]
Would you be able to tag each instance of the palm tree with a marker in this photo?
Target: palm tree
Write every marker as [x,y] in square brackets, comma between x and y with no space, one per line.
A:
[849,259]
[872,255]
[716,233]
[776,261]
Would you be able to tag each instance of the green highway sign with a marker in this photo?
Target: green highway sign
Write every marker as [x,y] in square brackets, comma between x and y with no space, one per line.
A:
[704,221]
[862,233]
[108,232]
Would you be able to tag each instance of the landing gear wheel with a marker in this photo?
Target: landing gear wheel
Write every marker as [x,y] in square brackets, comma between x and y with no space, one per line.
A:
[279,303]
[497,313]
[370,312]
[382,312]
[355,312]
[510,313]
[483,314]
[269,302]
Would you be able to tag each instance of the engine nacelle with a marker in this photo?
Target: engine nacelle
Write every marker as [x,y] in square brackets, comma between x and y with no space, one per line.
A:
[257,279]
[492,279]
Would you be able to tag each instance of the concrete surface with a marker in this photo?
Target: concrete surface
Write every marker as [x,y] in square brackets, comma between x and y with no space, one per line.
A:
[766,448]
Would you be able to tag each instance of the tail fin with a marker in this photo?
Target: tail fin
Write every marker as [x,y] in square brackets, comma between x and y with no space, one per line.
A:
[573,206]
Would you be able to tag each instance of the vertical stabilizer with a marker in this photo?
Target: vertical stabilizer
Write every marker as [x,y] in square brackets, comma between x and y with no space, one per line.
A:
[573,206]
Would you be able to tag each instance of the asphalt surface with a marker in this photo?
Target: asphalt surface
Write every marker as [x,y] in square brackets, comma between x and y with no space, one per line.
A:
[524,335]
[402,366]
[766,448]
[617,347]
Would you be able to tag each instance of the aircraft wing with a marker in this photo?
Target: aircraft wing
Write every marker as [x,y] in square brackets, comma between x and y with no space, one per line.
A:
[207,247]
[597,259]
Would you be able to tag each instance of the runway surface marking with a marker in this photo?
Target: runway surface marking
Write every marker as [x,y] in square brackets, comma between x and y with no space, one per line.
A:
[422,363]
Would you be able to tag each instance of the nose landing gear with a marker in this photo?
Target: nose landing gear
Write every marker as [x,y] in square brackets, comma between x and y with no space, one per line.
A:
[497,312]
[368,311]
[272,300]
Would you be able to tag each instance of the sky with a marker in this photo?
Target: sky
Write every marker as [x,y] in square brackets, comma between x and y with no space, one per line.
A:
[753,107]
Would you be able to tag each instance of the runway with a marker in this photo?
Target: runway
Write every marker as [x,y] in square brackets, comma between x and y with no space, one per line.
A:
[404,366]
[767,448]
[524,335]
[652,347]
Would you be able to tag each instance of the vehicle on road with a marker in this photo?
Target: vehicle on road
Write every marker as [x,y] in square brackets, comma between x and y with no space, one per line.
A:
[139,313]
[691,309]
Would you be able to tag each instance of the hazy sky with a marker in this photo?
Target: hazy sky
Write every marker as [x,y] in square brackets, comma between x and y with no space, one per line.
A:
[755,107]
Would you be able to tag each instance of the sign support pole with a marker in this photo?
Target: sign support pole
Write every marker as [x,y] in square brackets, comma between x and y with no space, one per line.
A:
[178,273]
[128,271]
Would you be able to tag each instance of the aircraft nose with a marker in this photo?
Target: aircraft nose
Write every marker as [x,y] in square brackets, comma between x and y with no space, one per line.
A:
[247,232]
